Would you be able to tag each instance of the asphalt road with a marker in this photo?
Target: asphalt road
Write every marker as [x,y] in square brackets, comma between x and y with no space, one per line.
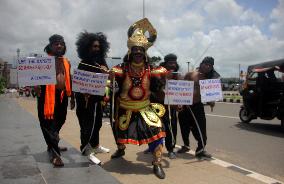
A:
[258,146]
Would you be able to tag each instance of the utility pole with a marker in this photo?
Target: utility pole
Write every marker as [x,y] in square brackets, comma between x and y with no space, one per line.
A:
[143,8]
[239,73]
[18,57]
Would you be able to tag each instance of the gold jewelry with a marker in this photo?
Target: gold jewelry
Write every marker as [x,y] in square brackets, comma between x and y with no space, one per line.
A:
[137,71]
[137,64]
[98,67]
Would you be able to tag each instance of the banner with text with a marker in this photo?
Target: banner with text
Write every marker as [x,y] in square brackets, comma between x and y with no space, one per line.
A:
[33,71]
[210,90]
[179,92]
[89,82]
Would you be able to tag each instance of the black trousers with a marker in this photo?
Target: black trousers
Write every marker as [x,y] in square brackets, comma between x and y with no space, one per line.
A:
[187,124]
[90,120]
[51,128]
[170,128]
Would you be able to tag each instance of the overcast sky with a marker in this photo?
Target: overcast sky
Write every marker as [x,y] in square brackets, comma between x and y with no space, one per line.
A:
[232,31]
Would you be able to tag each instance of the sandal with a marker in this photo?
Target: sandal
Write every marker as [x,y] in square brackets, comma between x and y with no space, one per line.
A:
[57,162]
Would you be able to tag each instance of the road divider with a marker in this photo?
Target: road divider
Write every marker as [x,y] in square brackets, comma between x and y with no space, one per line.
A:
[232,97]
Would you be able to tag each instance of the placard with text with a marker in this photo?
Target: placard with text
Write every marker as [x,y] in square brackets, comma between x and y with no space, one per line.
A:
[89,82]
[210,90]
[179,92]
[33,71]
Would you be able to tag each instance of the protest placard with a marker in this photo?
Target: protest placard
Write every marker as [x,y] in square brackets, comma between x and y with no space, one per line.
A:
[179,92]
[89,82]
[210,90]
[33,71]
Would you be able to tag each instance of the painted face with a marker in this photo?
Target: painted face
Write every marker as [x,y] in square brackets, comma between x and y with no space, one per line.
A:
[58,48]
[138,54]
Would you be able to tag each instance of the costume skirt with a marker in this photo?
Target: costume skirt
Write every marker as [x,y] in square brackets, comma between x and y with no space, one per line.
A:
[137,131]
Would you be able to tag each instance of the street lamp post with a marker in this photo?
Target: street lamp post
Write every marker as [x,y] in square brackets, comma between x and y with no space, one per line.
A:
[112,63]
[188,66]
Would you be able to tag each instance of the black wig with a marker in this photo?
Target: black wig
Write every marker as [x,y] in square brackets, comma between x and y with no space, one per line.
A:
[85,41]
[167,58]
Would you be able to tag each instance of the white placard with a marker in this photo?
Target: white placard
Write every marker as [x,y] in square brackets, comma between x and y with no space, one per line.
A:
[89,82]
[179,92]
[210,90]
[33,71]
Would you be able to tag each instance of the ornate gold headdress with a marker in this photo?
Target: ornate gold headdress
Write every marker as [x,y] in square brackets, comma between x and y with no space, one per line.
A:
[137,37]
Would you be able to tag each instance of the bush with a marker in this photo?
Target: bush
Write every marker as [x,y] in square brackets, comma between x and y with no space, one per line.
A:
[2,85]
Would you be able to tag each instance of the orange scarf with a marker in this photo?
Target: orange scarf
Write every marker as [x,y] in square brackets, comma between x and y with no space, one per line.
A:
[49,101]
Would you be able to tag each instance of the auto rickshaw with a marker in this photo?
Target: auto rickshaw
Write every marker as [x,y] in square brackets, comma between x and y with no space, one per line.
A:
[263,92]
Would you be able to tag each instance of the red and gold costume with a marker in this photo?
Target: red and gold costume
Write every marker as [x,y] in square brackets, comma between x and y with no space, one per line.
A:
[137,120]
[134,110]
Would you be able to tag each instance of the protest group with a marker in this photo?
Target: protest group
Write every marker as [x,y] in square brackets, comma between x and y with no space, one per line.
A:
[146,100]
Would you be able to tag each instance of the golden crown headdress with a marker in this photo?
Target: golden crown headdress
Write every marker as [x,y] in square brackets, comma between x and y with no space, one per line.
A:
[137,37]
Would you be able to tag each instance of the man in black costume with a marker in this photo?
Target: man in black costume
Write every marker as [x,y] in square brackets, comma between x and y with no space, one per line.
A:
[53,99]
[186,116]
[92,49]
[170,63]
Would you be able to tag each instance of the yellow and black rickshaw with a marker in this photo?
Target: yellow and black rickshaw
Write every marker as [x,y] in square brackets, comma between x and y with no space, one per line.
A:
[263,92]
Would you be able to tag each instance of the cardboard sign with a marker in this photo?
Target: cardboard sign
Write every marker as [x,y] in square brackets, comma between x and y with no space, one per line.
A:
[179,92]
[33,71]
[210,90]
[89,82]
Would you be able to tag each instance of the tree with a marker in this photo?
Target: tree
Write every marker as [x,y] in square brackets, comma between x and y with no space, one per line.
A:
[155,60]
[2,85]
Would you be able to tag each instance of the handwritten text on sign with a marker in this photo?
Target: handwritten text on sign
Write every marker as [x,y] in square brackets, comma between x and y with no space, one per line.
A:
[89,82]
[179,92]
[210,90]
[33,71]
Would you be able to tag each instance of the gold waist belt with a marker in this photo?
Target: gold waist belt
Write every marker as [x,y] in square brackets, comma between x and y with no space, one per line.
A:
[150,112]
[134,105]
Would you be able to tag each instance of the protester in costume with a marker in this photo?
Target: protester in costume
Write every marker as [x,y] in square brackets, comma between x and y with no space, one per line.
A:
[170,122]
[53,99]
[193,117]
[137,121]
[92,48]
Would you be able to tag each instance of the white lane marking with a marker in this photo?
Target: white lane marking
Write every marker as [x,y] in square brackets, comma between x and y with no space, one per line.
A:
[216,115]
[264,179]
[254,175]
[221,163]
